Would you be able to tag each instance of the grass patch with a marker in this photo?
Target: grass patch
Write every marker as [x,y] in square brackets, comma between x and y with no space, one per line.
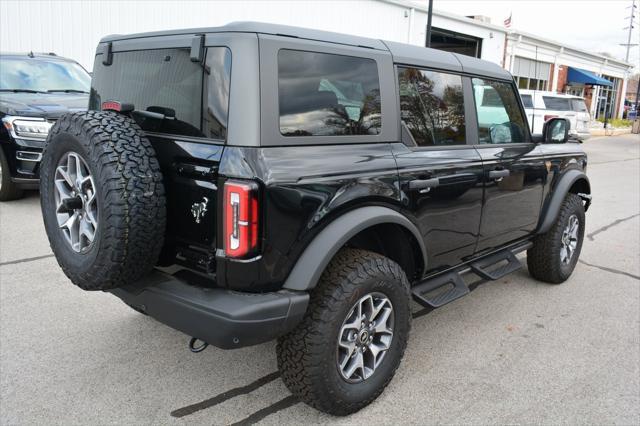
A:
[617,122]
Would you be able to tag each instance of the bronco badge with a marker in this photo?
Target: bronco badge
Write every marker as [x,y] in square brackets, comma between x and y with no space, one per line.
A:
[199,209]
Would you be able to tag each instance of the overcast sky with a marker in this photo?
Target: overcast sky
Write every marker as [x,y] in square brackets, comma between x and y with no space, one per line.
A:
[591,25]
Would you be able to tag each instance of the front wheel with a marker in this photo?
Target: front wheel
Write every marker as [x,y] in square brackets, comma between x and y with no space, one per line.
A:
[554,254]
[353,337]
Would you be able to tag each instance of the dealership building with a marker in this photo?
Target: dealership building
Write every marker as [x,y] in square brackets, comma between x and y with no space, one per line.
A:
[72,28]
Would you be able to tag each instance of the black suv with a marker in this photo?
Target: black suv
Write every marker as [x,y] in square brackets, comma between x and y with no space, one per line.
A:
[35,90]
[255,181]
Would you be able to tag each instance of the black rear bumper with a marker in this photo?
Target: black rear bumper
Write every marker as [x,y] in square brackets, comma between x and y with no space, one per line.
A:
[223,318]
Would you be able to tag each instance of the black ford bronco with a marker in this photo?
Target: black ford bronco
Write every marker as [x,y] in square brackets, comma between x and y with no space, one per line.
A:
[253,182]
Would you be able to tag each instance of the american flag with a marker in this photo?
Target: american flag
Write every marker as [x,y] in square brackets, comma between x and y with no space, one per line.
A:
[507,22]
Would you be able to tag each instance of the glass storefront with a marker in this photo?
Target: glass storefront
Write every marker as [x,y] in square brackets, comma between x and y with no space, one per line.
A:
[607,97]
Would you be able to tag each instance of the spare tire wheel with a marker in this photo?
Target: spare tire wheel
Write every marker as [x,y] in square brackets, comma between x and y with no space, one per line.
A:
[102,199]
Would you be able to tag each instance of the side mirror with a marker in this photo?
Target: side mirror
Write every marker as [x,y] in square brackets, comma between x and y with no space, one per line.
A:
[556,130]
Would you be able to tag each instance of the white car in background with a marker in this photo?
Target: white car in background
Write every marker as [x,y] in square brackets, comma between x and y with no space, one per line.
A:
[540,106]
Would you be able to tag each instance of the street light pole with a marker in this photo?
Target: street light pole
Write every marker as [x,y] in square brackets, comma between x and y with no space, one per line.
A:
[429,14]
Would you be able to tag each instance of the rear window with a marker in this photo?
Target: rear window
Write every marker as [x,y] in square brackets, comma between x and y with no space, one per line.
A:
[557,104]
[170,93]
[579,105]
[527,101]
[323,94]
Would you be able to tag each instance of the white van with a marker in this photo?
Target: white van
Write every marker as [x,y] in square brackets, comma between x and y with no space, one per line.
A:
[541,106]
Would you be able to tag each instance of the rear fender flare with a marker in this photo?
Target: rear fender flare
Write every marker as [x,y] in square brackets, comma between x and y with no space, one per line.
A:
[559,192]
[315,258]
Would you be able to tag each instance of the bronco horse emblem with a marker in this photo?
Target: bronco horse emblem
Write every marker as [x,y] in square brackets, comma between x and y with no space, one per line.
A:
[199,209]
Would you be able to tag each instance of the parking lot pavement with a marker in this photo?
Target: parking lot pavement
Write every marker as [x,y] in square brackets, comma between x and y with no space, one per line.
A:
[513,351]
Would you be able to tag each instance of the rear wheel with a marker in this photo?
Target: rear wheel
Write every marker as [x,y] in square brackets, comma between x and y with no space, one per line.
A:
[554,254]
[8,190]
[351,341]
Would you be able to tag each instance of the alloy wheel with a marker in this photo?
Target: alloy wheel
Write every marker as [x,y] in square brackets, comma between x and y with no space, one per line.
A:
[569,240]
[365,337]
[76,202]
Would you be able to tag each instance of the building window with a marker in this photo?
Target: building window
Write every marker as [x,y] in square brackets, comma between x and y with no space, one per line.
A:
[529,74]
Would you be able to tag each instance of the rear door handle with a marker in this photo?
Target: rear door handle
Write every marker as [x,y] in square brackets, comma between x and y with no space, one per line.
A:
[495,174]
[424,183]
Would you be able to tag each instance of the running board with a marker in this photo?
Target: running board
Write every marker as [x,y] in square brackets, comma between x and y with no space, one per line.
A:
[440,290]
[496,266]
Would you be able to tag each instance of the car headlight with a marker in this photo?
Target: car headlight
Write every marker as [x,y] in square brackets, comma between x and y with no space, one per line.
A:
[27,127]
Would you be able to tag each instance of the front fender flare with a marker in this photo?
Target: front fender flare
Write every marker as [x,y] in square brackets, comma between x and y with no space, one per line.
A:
[315,258]
[559,192]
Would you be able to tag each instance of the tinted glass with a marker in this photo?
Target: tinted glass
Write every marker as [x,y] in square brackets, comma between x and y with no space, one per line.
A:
[166,89]
[557,104]
[432,106]
[579,105]
[527,101]
[42,75]
[323,94]
[500,119]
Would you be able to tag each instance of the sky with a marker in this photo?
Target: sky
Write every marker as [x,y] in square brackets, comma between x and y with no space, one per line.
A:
[593,25]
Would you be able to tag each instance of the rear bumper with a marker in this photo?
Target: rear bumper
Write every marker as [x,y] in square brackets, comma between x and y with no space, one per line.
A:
[223,318]
[580,135]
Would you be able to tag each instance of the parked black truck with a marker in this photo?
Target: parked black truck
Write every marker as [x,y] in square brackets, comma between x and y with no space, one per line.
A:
[254,181]
[35,90]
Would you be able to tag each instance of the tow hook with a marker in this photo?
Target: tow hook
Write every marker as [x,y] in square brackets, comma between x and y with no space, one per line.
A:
[196,349]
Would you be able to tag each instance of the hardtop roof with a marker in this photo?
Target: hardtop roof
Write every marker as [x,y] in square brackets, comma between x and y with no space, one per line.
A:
[402,53]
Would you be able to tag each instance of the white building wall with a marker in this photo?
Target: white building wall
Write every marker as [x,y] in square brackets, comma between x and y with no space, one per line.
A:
[72,28]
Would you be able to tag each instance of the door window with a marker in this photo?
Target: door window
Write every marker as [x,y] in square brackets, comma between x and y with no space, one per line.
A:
[557,104]
[500,118]
[432,106]
[527,101]
[322,94]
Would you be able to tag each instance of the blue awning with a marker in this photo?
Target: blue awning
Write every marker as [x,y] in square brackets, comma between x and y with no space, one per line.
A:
[576,75]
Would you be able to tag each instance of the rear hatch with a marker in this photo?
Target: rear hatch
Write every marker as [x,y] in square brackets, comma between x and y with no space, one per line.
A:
[582,115]
[182,105]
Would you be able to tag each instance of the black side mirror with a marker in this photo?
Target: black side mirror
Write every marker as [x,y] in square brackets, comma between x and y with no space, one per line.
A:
[556,130]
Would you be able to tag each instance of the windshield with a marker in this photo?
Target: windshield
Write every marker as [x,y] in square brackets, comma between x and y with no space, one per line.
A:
[42,75]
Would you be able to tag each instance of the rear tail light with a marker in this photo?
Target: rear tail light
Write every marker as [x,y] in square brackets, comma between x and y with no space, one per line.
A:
[240,218]
[549,117]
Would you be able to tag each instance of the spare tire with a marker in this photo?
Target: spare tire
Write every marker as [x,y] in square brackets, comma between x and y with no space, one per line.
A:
[102,199]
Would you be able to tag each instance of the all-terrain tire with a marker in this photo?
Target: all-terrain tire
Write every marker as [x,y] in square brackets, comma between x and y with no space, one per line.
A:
[307,356]
[8,190]
[544,258]
[130,199]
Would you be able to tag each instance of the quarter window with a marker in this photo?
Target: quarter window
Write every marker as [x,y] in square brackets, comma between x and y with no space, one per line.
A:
[500,119]
[323,94]
[432,106]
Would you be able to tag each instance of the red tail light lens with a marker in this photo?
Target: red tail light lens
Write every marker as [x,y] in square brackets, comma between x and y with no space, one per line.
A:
[240,218]
[549,117]
[111,106]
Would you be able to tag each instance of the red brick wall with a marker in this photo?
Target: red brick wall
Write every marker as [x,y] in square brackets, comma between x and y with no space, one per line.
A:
[562,77]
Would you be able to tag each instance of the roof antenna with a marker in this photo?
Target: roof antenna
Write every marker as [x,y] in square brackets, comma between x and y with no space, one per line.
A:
[31,55]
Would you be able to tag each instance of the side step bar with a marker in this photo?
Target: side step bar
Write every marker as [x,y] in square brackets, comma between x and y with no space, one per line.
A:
[438,290]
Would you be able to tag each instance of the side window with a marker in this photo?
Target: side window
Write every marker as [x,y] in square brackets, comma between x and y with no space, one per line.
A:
[166,89]
[323,94]
[527,101]
[557,104]
[500,119]
[432,106]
